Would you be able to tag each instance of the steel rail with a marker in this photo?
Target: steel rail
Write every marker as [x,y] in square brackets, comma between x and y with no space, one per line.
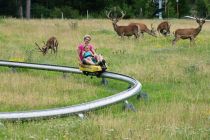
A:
[74,109]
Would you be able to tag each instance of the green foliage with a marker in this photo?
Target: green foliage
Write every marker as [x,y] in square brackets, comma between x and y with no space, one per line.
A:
[56,13]
[139,8]
[39,11]
[69,12]
[207,3]
[170,11]
[96,8]
[201,8]
[184,8]
[149,9]
[129,10]
[176,79]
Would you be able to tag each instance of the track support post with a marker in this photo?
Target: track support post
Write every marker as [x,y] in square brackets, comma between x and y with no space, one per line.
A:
[142,95]
[14,70]
[104,81]
[128,106]
[65,75]
[81,116]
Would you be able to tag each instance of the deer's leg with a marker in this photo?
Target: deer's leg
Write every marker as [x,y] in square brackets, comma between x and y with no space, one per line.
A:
[159,32]
[175,40]
[122,35]
[142,34]
[56,49]
[192,40]
[136,34]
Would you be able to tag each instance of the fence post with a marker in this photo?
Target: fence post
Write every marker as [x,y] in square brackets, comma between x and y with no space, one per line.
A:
[87,14]
[61,15]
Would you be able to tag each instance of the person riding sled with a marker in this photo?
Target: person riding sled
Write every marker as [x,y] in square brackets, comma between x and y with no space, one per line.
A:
[87,54]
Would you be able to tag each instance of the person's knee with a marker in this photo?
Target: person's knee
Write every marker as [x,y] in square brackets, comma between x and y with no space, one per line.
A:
[84,61]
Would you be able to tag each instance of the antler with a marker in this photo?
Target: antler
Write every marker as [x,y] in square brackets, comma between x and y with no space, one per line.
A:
[197,18]
[190,17]
[44,42]
[123,14]
[108,15]
[38,47]
[111,18]
[152,27]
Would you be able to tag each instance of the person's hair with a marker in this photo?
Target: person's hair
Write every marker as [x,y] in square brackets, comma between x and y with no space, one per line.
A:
[87,36]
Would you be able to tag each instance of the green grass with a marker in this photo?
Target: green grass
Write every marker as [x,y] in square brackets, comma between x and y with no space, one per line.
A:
[176,79]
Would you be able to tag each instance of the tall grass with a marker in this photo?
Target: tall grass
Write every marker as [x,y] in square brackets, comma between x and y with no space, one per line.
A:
[176,79]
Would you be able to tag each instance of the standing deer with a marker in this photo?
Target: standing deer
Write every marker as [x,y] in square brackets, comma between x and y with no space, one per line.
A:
[52,43]
[189,33]
[124,30]
[144,29]
[164,28]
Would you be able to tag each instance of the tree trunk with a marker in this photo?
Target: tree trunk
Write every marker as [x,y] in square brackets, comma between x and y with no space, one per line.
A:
[28,9]
[20,9]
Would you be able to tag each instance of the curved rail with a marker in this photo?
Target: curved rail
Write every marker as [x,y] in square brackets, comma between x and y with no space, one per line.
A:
[24,115]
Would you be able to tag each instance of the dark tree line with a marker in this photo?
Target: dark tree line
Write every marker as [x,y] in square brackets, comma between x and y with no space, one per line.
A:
[96,8]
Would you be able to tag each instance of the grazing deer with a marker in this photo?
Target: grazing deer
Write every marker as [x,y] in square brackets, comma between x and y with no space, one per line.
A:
[164,28]
[143,29]
[189,33]
[124,30]
[52,43]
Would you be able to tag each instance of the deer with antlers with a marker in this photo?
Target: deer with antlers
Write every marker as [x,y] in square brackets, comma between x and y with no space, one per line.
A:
[52,43]
[123,30]
[189,33]
[164,28]
[144,29]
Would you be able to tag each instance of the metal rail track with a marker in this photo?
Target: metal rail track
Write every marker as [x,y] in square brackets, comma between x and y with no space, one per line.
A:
[74,109]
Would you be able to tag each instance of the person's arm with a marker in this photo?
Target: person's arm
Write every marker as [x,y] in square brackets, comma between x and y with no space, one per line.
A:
[78,53]
[92,50]
[83,52]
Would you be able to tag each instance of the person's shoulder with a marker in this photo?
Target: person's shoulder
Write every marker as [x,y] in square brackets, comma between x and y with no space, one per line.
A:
[91,46]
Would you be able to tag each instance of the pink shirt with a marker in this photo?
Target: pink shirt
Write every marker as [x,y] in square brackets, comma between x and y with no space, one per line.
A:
[81,48]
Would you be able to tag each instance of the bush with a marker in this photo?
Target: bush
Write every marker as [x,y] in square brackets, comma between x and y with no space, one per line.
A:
[39,11]
[69,12]
[56,13]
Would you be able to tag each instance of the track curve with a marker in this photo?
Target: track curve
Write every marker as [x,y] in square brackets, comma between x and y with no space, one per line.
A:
[29,115]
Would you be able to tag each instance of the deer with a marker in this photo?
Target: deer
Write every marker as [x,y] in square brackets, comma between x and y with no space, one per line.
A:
[189,33]
[143,29]
[164,28]
[52,43]
[123,30]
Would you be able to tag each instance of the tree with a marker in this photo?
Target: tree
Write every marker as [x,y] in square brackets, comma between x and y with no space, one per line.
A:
[28,9]
[20,9]
[207,2]
[149,9]
[201,8]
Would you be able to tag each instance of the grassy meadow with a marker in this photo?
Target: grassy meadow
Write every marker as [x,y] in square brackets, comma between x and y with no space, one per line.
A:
[176,79]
